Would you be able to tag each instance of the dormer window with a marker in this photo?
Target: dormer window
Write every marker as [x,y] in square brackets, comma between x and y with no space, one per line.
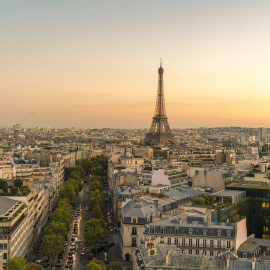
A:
[176,230]
[190,230]
[153,229]
[204,231]
[228,233]
[219,233]
[162,230]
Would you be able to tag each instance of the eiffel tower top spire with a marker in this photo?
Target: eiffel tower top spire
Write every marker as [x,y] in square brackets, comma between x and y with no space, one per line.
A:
[160,131]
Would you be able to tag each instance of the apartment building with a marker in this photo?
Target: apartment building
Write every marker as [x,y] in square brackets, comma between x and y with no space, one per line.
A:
[195,235]
[133,219]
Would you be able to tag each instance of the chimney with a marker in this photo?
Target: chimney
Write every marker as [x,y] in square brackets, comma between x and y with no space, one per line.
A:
[167,257]
[228,259]
[180,221]
[155,203]
[253,263]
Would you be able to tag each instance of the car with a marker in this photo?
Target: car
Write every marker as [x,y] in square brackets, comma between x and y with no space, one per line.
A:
[83,247]
[78,241]
[110,244]
[82,252]
[76,222]
[72,240]
[58,263]
[86,208]
[73,244]
[39,260]
[46,264]
[90,256]
[69,262]
[67,267]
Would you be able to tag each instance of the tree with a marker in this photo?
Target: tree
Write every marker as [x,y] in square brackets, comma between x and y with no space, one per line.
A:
[68,191]
[97,170]
[96,212]
[75,176]
[80,171]
[96,200]
[95,185]
[95,265]
[64,203]
[116,266]
[33,266]
[95,232]
[199,200]
[4,185]
[18,183]
[16,263]
[62,215]
[51,246]
[57,228]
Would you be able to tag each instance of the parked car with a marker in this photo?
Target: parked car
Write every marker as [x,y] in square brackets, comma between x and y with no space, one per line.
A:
[90,256]
[58,263]
[78,241]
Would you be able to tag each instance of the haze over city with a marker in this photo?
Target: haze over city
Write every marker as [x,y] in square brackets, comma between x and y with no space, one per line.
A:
[93,64]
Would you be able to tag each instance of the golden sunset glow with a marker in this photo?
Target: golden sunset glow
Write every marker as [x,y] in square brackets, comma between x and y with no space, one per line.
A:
[92,64]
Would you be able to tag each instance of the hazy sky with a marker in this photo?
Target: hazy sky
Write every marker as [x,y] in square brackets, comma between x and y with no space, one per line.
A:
[94,64]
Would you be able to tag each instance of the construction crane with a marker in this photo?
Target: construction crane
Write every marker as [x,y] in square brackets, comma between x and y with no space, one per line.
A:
[90,146]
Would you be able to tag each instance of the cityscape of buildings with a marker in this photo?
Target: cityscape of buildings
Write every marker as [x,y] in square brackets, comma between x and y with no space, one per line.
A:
[189,192]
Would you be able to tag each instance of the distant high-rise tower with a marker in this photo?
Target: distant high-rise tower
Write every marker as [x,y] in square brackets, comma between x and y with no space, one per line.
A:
[262,135]
[160,131]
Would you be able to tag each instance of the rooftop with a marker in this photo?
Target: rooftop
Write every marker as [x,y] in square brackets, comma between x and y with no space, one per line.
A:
[253,185]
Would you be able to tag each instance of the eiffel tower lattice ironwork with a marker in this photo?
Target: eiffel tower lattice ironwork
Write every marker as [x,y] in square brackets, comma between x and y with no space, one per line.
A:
[160,131]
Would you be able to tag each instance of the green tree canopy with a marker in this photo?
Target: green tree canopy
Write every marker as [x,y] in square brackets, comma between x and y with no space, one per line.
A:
[95,265]
[199,200]
[95,185]
[68,191]
[51,246]
[18,183]
[64,203]
[116,266]
[95,232]
[33,266]
[97,170]
[57,228]
[80,171]
[75,176]
[62,215]
[95,200]
[96,212]
[4,185]
[16,263]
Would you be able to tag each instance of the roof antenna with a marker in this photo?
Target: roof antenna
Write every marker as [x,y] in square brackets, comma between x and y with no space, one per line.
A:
[160,62]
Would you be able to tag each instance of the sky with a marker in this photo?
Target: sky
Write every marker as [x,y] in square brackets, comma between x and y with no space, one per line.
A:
[94,64]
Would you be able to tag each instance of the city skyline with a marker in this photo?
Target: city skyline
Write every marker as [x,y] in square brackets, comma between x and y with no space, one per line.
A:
[94,65]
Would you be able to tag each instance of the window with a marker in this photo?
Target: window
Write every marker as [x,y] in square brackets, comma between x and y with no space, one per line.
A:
[204,242]
[154,230]
[190,230]
[211,253]
[134,220]
[162,230]
[204,231]
[219,244]
[134,242]
[228,233]
[219,232]
[228,244]
[5,256]
[190,251]
[3,246]
[190,242]
[169,241]
[176,241]
[197,252]
[183,241]
[197,242]
[245,255]
[211,243]
[176,230]
[134,230]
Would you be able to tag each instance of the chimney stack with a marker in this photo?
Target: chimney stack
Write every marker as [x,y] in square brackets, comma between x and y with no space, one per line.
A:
[253,263]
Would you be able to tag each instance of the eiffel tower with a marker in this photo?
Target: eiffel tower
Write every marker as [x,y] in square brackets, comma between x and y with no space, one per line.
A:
[160,131]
